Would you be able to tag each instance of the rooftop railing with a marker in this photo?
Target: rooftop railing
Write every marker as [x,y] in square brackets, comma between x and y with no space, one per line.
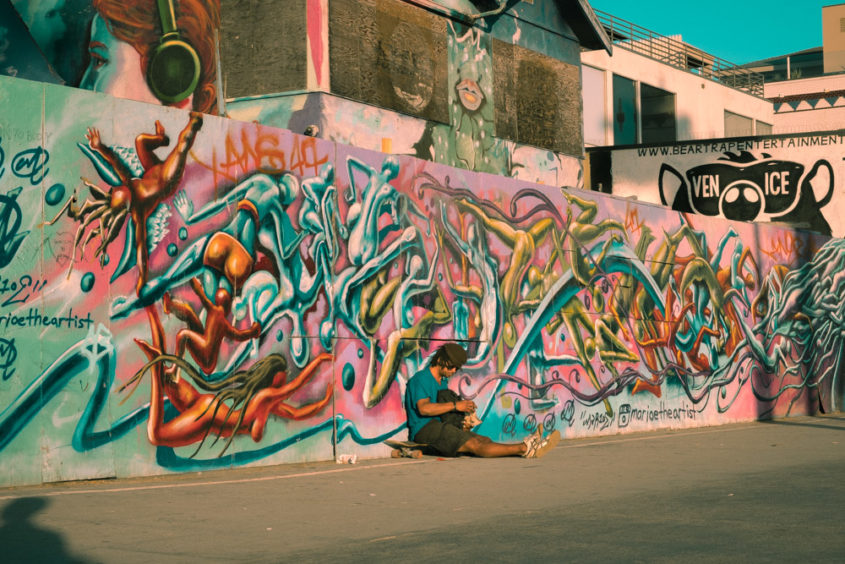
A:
[678,54]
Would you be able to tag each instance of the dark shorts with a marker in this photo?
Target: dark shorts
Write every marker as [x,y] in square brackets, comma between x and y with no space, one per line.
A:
[444,438]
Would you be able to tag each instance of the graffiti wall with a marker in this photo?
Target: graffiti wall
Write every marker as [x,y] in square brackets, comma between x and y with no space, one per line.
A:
[183,292]
[788,179]
[351,123]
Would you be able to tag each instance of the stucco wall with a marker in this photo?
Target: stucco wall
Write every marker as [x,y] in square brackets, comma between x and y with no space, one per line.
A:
[808,104]
[346,268]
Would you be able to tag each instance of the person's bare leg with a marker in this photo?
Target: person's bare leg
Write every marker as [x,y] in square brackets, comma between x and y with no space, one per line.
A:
[485,448]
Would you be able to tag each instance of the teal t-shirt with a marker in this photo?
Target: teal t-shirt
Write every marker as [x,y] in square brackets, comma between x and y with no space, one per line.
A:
[421,385]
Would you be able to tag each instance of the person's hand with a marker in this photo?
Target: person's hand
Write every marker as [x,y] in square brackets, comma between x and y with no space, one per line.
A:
[465,406]
[470,421]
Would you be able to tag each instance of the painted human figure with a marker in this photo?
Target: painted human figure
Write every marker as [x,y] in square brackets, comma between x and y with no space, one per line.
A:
[139,196]
[203,341]
[240,404]
[124,33]
[227,257]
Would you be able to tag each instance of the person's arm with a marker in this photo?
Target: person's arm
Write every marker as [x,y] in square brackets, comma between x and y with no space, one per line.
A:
[428,408]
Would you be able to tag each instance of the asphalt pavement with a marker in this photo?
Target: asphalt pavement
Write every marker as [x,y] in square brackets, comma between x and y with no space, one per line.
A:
[755,492]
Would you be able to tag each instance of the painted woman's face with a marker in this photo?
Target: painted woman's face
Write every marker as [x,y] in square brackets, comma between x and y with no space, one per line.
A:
[115,67]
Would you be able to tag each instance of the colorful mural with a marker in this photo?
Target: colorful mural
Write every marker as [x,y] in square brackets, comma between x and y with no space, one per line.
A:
[184,292]
[157,52]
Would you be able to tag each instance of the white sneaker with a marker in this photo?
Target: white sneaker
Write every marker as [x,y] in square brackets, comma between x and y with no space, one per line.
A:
[532,442]
[538,447]
[547,444]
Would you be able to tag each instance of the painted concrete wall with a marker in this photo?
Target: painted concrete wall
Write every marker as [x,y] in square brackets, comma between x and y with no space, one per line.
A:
[791,179]
[473,134]
[351,123]
[184,293]
[700,102]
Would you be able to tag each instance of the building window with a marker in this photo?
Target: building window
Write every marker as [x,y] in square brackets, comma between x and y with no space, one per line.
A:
[737,125]
[763,128]
[593,97]
[624,111]
[658,110]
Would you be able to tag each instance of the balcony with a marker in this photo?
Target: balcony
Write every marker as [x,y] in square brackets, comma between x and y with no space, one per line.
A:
[676,53]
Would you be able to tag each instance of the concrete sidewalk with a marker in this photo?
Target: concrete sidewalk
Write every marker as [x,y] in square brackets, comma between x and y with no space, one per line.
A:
[758,492]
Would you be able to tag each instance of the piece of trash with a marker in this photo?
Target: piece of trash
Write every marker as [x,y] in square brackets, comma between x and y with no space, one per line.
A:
[730,495]
[347,459]
[372,495]
[269,528]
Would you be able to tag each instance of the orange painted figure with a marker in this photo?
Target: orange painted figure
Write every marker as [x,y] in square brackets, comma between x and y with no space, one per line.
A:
[204,342]
[239,404]
[140,196]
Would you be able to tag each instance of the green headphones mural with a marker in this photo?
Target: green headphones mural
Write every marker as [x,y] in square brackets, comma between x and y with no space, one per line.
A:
[173,70]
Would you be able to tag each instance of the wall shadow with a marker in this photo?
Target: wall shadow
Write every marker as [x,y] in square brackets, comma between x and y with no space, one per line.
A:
[816,423]
[25,540]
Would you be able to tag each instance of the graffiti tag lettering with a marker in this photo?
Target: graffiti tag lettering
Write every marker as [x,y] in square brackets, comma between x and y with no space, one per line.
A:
[36,318]
[633,222]
[10,223]
[8,356]
[653,415]
[265,154]
[786,248]
[31,164]
[568,413]
[21,289]
[596,421]
[549,422]
[509,425]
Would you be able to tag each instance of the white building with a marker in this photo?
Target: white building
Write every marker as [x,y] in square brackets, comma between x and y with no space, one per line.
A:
[657,89]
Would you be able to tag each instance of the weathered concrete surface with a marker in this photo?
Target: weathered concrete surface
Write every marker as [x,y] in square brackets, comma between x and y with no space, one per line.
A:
[757,492]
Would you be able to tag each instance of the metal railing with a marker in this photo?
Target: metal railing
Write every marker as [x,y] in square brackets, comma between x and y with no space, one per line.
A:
[678,54]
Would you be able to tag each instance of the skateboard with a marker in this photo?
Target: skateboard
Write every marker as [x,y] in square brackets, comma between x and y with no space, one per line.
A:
[405,449]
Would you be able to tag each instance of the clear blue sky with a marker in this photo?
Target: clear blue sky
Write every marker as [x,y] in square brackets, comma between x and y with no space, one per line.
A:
[738,31]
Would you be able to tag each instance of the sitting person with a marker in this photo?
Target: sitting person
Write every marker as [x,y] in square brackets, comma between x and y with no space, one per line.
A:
[432,421]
